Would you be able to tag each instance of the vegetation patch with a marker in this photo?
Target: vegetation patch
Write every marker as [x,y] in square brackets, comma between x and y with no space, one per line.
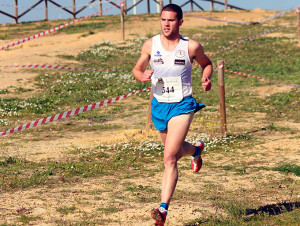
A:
[288,168]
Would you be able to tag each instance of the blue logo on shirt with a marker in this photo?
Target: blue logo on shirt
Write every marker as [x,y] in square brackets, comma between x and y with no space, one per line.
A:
[157,54]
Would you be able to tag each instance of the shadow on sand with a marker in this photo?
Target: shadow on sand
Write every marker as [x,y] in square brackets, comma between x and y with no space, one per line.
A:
[274,209]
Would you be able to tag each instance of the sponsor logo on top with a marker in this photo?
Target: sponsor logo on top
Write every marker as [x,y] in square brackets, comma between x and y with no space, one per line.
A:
[180,53]
[158,61]
[157,54]
[179,62]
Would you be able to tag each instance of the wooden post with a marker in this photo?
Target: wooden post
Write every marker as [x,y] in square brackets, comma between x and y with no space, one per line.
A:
[161,5]
[192,8]
[211,6]
[74,9]
[16,11]
[125,6]
[122,22]
[148,125]
[100,8]
[134,8]
[225,3]
[148,6]
[170,1]
[221,84]
[298,13]
[46,9]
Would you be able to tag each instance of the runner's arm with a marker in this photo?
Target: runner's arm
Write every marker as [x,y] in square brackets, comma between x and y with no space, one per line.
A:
[197,53]
[139,71]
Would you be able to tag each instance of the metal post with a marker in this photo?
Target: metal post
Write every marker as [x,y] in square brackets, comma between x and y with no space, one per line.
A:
[122,22]
[16,11]
[74,9]
[221,84]
[46,9]
[100,8]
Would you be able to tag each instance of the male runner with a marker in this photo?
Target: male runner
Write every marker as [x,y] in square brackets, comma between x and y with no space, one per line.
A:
[171,56]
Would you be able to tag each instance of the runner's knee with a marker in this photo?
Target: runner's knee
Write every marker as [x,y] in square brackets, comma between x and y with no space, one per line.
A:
[170,160]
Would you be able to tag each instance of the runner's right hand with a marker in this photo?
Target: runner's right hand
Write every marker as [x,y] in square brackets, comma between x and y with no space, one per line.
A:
[146,77]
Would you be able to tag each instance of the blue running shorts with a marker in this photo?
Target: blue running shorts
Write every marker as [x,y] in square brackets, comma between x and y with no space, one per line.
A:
[163,112]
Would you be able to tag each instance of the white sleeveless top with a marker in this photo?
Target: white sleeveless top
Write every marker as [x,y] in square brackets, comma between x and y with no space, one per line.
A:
[172,71]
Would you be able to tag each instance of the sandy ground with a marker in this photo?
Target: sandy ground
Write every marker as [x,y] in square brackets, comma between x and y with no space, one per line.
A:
[92,194]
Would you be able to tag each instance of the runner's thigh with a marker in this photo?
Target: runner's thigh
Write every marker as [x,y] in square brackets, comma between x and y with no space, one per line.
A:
[177,130]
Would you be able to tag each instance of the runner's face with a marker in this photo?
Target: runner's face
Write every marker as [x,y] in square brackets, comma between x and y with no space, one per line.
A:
[170,24]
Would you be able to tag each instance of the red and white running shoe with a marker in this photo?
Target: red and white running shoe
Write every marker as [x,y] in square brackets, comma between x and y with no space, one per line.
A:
[196,162]
[159,217]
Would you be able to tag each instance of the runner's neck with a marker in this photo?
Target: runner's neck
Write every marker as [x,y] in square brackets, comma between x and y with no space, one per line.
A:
[169,44]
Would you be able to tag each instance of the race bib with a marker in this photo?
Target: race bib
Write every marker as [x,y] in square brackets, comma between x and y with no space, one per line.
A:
[168,89]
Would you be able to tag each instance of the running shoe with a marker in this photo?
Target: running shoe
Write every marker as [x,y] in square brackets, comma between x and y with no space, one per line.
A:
[159,217]
[196,162]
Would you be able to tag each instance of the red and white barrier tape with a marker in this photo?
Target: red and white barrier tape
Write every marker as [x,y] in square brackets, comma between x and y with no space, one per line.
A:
[240,22]
[278,15]
[52,30]
[46,66]
[218,20]
[251,38]
[70,113]
[261,78]
[249,75]
[58,7]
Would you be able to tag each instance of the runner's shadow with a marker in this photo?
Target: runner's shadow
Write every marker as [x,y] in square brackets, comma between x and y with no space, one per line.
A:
[274,209]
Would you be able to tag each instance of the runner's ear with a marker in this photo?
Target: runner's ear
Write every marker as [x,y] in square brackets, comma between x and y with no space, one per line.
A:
[180,22]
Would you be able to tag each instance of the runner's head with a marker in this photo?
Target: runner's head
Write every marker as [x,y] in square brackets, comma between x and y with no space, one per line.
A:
[170,21]
[173,8]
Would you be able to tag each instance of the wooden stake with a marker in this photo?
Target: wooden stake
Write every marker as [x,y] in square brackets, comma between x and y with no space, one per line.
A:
[298,13]
[46,9]
[125,7]
[148,6]
[74,9]
[192,8]
[225,3]
[148,125]
[122,22]
[16,11]
[100,8]
[161,5]
[222,96]
[211,6]
[134,8]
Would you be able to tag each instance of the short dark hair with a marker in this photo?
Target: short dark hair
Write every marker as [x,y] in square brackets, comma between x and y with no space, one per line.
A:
[173,8]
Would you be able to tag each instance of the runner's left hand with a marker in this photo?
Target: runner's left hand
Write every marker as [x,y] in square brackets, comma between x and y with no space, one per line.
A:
[206,84]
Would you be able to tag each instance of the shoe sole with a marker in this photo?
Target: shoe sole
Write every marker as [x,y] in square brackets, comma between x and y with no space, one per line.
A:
[156,215]
[200,166]
[199,144]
